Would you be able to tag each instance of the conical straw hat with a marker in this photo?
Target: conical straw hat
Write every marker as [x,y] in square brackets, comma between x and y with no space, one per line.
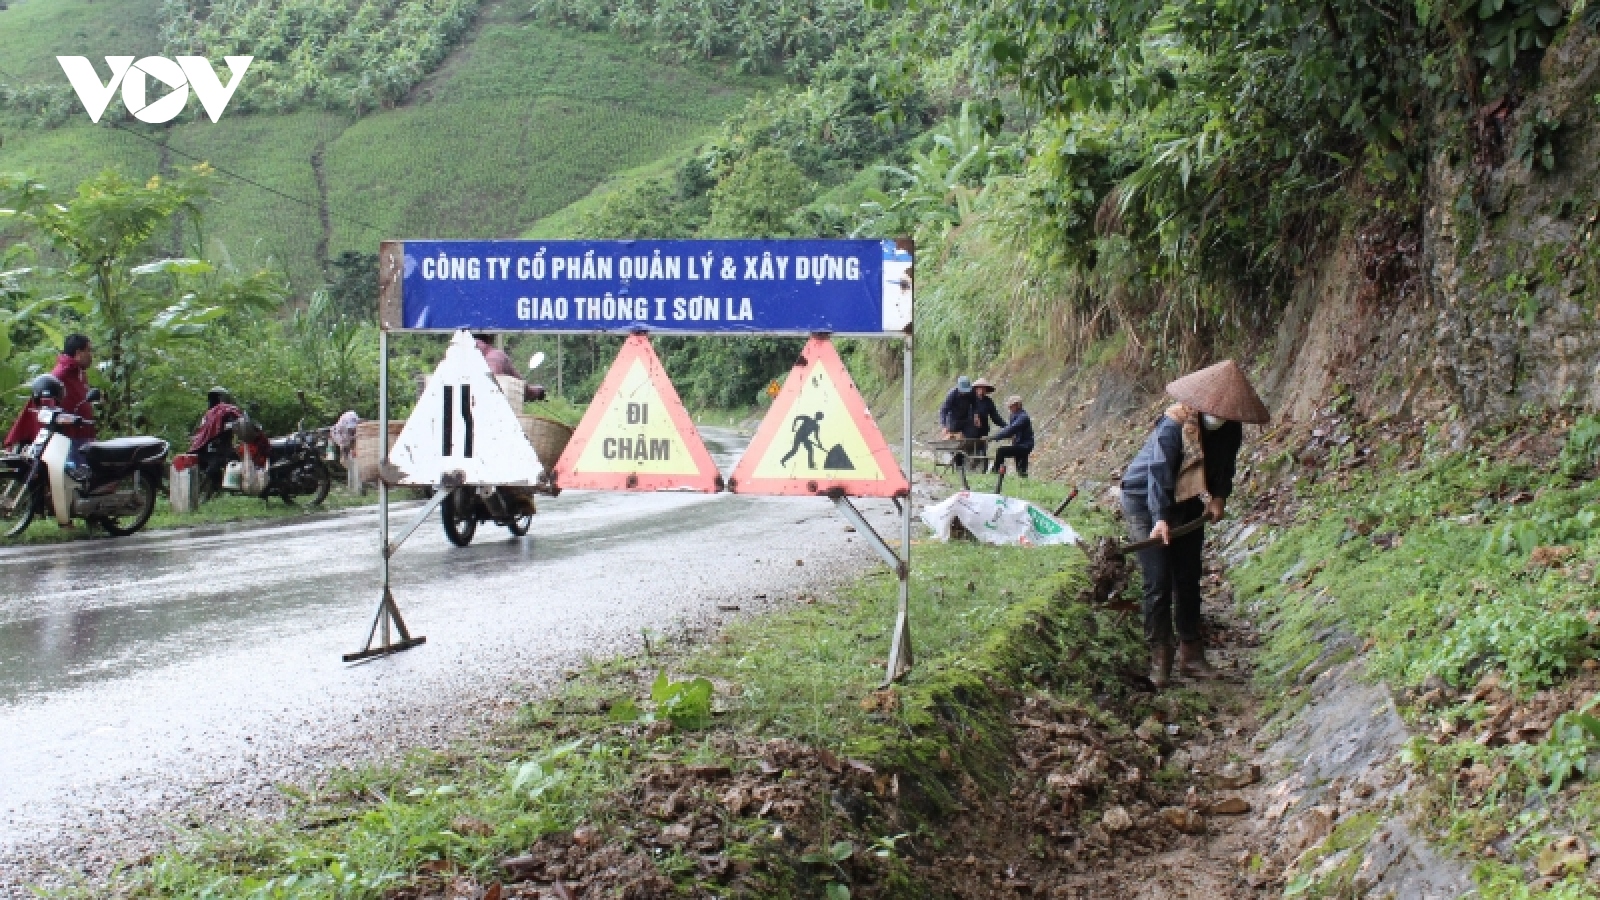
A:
[1221,390]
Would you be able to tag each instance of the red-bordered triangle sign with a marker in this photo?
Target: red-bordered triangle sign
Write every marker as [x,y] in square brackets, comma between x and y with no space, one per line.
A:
[819,436]
[636,435]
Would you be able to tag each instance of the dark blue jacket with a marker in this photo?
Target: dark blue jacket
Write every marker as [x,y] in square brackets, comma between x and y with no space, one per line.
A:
[1153,474]
[987,412]
[957,413]
[1020,431]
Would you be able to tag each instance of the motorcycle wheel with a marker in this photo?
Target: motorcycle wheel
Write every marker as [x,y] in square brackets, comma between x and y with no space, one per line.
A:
[122,526]
[209,488]
[324,481]
[19,501]
[520,524]
[457,512]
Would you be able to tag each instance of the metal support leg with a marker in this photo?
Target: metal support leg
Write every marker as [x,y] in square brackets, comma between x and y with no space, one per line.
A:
[900,656]
[388,613]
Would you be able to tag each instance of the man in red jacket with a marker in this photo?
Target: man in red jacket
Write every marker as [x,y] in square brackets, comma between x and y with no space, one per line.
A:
[72,367]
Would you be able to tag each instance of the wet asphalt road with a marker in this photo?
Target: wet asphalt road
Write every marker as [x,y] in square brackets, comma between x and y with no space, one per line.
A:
[150,683]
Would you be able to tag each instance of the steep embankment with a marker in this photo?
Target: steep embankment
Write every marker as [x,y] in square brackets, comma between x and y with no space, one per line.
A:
[1416,528]
[523,119]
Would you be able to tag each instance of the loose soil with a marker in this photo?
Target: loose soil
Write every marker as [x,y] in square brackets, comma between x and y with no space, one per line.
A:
[1156,798]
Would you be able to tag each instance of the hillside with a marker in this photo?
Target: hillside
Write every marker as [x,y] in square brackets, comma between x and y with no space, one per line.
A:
[523,119]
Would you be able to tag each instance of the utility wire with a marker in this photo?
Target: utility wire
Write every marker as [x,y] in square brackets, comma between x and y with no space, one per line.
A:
[235,175]
[227,172]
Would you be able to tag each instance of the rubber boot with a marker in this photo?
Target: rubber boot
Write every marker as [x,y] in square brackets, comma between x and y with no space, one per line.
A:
[1192,661]
[1161,665]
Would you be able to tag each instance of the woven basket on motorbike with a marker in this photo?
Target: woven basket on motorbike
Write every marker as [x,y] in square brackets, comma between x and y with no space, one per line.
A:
[549,438]
[366,454]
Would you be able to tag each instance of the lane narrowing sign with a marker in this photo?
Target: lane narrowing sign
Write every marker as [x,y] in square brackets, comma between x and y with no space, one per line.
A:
[463,427]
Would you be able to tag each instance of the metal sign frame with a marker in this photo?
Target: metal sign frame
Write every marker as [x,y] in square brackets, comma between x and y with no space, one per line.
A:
[391,273]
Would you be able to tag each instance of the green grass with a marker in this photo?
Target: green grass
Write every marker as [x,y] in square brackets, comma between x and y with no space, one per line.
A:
[1435,569]
[37,31]
[564,222]
[1450,599]
[523,120]
[800,672]
[222,510]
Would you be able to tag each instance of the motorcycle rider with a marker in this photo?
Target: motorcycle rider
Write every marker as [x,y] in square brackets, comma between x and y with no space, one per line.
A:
[71,374]
[500,364]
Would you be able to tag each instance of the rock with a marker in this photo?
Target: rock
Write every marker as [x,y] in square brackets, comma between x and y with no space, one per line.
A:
[1234,776]
[1564,856]
[1116,819]
[678,833]
[1179,761]
[1549,556]
[1488,685]
[471,827]
[1184,819]
[1150,731]
[586,835]
[1228,806]
[520,864]
[1309,828]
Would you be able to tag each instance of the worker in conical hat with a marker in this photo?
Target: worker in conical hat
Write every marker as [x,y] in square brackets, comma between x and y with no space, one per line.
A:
[1184,472]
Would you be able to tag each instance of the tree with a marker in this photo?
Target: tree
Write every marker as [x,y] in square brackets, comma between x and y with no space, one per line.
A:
[113,283]
[646,209]
[758,195]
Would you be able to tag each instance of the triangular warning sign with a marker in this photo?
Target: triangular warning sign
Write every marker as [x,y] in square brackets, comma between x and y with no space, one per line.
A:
[636,435]
[463,427]
[819,436]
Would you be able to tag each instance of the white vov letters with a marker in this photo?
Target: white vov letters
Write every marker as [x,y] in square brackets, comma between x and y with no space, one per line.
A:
[186,73]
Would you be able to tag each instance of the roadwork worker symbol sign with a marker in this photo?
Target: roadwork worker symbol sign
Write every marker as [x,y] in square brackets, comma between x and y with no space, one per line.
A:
[636,435]
[819,436]
[463,428]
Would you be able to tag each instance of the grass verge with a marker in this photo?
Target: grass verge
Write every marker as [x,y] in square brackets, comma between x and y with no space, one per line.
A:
[824,782]
[222,510]
[1467,578]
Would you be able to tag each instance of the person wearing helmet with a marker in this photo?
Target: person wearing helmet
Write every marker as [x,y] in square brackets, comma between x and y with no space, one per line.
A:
[213,440]
[69,392]
[1184,472]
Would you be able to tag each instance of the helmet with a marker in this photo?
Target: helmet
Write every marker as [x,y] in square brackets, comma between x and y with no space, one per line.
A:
[218,395]
[48,387]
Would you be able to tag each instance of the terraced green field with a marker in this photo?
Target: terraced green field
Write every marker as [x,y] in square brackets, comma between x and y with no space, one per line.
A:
[523,120]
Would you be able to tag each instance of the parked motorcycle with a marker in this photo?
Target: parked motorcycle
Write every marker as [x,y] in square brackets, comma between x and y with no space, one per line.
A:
[114,487]
[295,465]
[464,507]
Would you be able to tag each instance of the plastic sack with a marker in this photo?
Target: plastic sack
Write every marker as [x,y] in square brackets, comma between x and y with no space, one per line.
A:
[998,519]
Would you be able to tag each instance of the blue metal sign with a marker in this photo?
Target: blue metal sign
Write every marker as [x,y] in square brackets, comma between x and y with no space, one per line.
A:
[846,287]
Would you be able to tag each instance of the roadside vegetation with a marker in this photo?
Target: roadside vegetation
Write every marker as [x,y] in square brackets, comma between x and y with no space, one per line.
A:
[762,730]
[1467,577]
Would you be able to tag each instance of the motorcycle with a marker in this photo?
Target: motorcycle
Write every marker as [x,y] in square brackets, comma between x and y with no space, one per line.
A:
[295,465]
[114,487]
[464,507]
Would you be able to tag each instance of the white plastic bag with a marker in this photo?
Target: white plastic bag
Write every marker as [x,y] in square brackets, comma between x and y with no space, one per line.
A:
[998,519]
